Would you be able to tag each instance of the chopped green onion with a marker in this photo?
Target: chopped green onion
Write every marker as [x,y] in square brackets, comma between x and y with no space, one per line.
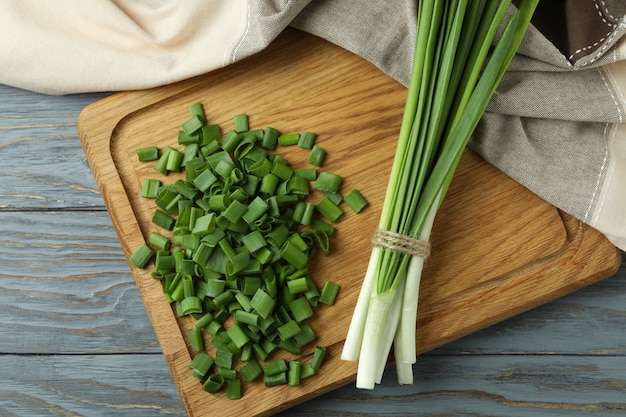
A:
[233,389]
[274,367]
[328,181]
[355,200]
[276,379]
[317,156]
[236,260]
[193,124]
[149,153]
[298,186]
[164,263]
[174,160]
[234,211]
[307,214]
[281,170]
[288,330]
[150,188]
[268,184]
[204,225]
[270,138]
[205,180]
[289,345]
[335,197]
[244,302]
[213,383]
[251,370]
[210,134]
[289,139]
[254,241]
[294,255]
[246,351]
[185,138]
[260,353]
[309,174]
[320,226]
[255,210]
[307,371]
[329,210]
[318,357]
[306,335]
[224,358]
[298,285]
[329,293]
[231,140]
[197,344]
[201,364]
[161,165]
[228,374]
[241,122]
[237,335]
[142,256]
[245,317]
[159,241]
[301,310]
[223,299]
[214,327]
[164,220]
[260,167]
[307,140]
[293,373]
[262,303]
[204,321]
[197,109]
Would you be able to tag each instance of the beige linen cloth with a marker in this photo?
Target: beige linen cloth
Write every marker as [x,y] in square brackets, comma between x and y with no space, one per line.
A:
[557,124]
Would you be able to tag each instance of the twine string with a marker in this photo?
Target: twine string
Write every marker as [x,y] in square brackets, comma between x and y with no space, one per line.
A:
[401,243]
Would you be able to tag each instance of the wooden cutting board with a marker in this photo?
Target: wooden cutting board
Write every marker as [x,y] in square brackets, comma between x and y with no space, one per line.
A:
[498,250]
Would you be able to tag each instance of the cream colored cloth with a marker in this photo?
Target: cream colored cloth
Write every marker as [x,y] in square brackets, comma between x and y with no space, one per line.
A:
[557,123]
[68,46]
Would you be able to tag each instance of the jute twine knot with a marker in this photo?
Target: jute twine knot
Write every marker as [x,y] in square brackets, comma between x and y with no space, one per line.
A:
[401,243]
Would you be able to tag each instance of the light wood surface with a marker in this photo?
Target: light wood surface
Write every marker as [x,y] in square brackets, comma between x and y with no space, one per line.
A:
[76,340]
[498,249]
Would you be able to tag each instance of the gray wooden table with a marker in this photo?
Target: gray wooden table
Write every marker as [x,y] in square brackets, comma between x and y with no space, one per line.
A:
[75,339]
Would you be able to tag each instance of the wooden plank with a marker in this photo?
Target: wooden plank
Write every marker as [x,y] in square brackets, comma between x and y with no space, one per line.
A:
[28,182]
[43,164]
[20,109]
[87,385]
[494,241]
[65,287]
[486,385]
[476,385]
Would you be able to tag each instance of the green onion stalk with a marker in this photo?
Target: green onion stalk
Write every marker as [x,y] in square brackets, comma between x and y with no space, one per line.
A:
[459,60]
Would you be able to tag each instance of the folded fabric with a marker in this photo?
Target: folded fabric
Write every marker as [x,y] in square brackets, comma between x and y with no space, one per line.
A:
[556,125]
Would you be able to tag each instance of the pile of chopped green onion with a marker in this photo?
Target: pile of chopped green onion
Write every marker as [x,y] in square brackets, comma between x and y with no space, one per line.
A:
[232,247]
[458,63]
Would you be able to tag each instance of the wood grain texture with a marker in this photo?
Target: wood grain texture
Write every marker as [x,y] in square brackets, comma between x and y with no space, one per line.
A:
[499,249]
[65,286]
[43,166]
[489,386]
[87,385]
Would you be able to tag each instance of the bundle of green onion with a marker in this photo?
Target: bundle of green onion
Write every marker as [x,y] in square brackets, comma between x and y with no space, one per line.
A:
[459,61]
